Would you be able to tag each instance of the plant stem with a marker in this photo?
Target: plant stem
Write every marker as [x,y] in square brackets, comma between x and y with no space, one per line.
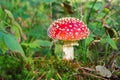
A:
[91,11]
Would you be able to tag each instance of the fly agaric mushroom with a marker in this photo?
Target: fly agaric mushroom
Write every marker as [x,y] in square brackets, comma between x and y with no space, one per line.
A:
[70,30]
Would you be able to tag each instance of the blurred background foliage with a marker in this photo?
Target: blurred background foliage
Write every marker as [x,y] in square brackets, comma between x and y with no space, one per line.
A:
[27,52]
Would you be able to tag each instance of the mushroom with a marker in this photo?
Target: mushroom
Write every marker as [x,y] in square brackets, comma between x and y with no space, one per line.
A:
[70,30]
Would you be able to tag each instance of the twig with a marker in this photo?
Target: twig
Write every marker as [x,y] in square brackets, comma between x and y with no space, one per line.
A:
[88,69]
[93,75]
[40,78]
[59,76]
[86,73]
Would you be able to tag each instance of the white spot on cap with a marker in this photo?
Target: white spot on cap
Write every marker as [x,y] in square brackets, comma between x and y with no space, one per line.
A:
[74,28]
[71,29]
[79,29]
[60,22]
[70,25]
[60,29]
[67,29]
[70,32]
[69,21]
[75,25]
[63,29]
[57,26]
[76,33]
[83,29]
[52,24]
[83,26]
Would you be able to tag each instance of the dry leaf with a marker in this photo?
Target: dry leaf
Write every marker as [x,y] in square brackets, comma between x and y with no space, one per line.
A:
[103,71]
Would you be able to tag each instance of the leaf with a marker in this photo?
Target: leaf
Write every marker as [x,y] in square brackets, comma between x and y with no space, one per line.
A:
[103,71]
[109,41]
[44,43]
[1,13]
[16,32]
[12,44]
[89,40]
[1,34]
[97,6]
[103,40]
[34,45]
[3,47]
[10,15]
[1,51]
[15,24]
[20,29]
[112,43]
[58,50]
[48,1]
[106,10]
[38,43]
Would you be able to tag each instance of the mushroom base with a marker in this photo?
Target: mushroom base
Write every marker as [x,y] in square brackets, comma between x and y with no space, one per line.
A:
[68,53]
[68,50]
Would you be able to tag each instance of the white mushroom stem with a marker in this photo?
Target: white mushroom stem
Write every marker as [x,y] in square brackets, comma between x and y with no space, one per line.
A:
[68,50]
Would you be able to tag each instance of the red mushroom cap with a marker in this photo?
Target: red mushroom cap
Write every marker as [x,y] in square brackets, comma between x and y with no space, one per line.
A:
[68,29]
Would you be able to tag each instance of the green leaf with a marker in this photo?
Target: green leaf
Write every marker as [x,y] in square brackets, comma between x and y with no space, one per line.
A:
[1,34]
[45,43]
[103,40]
[38,43]
[89,39]
[2,43]
[112,43]
[58,50]
[106,10]
[19,29]
[34,45]
[1,13]
[16,31]
[12,43]
[97,6]
[109,41]
[48,1]
[10,15]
